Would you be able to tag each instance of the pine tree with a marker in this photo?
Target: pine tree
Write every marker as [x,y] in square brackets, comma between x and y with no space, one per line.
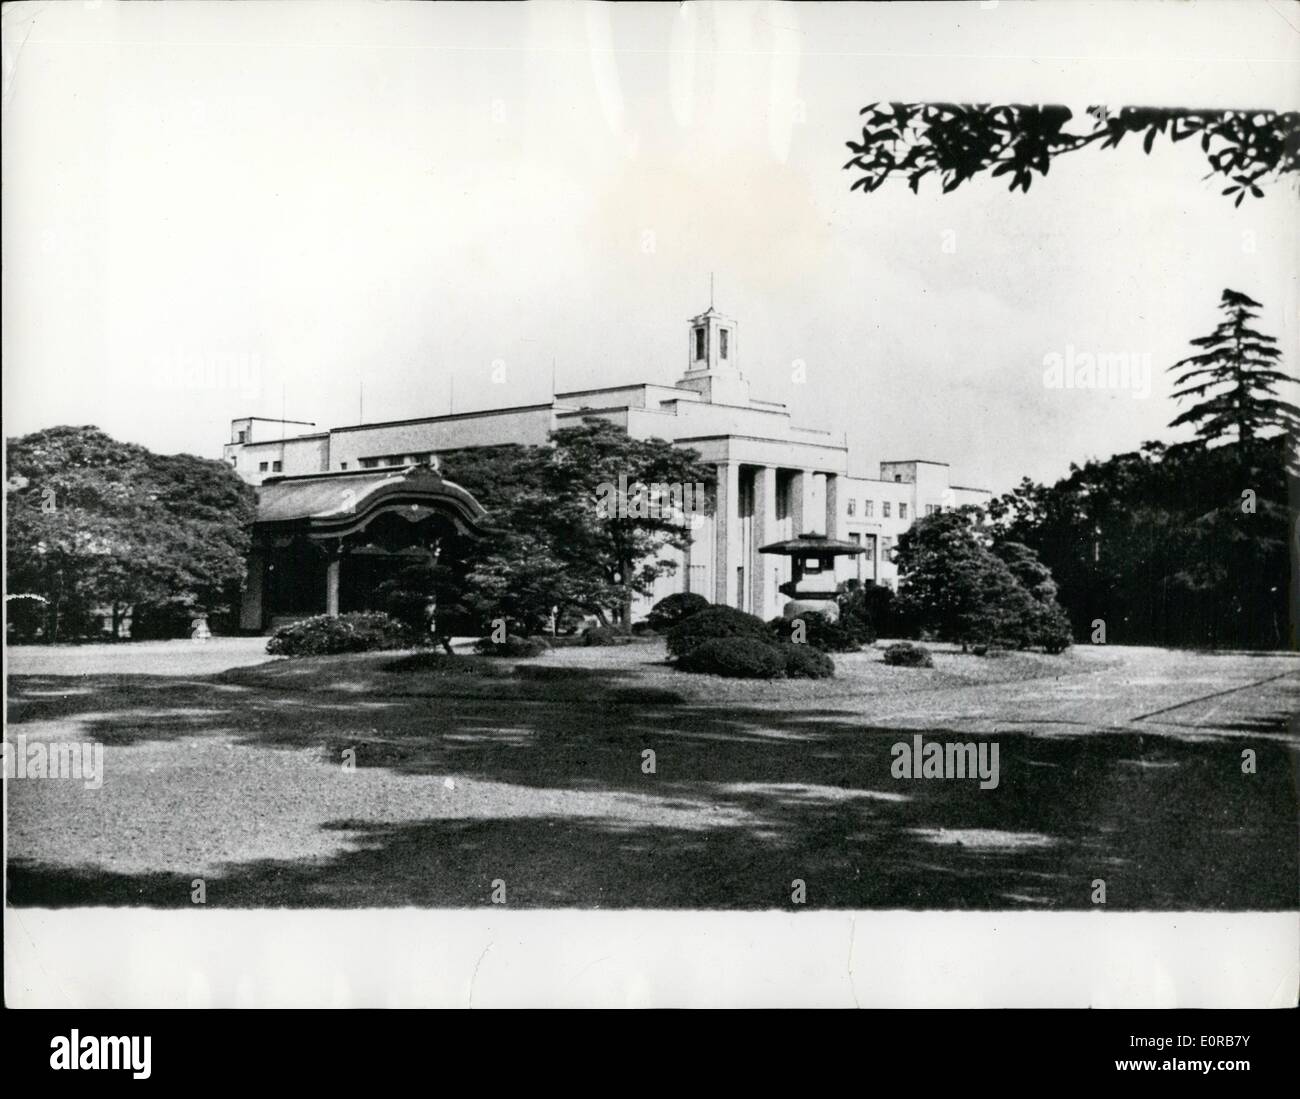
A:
[1234,379]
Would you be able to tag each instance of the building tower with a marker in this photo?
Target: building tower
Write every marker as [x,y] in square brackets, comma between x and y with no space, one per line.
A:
[711,360]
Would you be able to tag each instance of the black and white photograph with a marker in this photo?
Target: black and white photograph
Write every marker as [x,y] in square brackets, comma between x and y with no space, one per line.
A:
[768,504]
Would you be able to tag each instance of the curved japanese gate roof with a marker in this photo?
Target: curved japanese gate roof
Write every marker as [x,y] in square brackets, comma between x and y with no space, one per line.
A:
[337,504]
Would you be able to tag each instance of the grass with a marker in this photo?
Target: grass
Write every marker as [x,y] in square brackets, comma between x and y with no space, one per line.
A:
[468,769]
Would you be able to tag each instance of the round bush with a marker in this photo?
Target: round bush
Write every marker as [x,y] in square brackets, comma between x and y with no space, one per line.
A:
[713,623]
[805,662]
[737,657]
[348,633]
[673,609]
[513,645]
[904,654]
[844,636]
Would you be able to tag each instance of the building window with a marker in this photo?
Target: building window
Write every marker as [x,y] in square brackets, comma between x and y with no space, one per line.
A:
[868,508]
[242,437]
[884,509]
[343,465]
[262,467]
[898,476]
[369,463]
[852,506]
[887,548]
[699,343]
[277,467]
[930,509]
[902,511]
[722,346]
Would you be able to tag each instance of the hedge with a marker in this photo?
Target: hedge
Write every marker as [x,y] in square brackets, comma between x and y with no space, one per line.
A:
[348,633]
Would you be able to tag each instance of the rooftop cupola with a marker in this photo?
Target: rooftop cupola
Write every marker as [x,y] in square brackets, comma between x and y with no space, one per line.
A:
[712,368]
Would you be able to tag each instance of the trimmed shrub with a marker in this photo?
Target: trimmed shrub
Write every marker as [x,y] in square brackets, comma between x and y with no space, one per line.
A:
[904,654]
[737,657]
[821,633]
[805,662]
[713,623]
[513,645]
[322,635]
[673,609]
[604,635]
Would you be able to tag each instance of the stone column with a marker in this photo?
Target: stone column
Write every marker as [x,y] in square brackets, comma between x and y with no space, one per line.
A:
[832,505]
[726,529]
[763,530]
[333,569]
[800,483]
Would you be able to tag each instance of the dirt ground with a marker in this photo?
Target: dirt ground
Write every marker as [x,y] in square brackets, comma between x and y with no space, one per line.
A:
[348,781]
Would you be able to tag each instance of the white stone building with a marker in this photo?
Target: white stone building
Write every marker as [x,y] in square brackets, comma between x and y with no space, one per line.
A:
[775,480]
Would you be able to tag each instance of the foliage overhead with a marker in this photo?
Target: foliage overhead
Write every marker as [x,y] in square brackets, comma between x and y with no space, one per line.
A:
[1245,149]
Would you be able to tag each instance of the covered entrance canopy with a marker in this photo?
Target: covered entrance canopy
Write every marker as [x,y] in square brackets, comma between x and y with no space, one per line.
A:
[323,542]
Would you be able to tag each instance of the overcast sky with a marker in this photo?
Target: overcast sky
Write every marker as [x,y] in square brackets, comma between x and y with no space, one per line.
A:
[300,199]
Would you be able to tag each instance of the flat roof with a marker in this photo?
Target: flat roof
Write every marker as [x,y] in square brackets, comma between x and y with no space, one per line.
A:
[445,416]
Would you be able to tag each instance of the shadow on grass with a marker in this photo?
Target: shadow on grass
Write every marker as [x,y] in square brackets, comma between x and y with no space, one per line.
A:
[766,797]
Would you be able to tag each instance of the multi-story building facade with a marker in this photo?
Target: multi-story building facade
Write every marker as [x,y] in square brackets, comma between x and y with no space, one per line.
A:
[775,480]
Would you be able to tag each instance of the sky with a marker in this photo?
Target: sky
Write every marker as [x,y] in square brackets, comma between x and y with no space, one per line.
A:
[384,210]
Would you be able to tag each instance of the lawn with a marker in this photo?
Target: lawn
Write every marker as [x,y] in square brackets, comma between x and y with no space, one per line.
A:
[383,779]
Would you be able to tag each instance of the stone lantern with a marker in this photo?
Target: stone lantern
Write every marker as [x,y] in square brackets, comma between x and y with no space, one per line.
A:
[812,587]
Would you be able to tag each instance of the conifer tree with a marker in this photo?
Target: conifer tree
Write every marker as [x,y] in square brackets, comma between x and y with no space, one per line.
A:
[1234,379]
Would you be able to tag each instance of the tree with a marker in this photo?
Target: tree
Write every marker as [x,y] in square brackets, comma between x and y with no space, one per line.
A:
[1239,364]
[1161,546]
[1245,148]
[618,545]
[550,542]
[96,524]
[954,585]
